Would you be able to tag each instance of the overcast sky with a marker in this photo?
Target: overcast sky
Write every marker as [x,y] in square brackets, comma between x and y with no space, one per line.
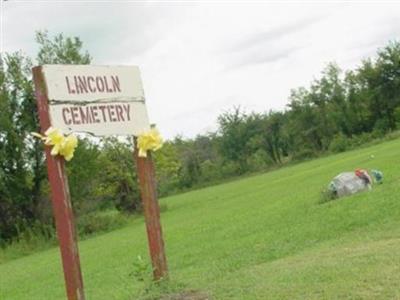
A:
[200,59]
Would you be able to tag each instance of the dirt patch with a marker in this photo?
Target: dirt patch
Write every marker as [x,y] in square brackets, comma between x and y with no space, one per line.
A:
[188,295]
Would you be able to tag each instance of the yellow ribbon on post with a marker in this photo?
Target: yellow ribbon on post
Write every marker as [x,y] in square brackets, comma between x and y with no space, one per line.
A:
[64,146]
[150,140]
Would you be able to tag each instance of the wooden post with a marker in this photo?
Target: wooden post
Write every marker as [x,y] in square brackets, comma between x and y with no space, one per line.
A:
[61,199]
[147,182]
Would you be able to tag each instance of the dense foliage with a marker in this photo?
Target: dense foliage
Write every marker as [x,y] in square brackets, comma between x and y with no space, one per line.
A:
[338,111]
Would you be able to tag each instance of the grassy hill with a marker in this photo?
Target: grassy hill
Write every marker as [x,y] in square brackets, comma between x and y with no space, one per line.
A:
[262,237]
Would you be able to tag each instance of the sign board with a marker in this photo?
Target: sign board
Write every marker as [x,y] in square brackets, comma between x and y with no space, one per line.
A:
[103,101]
[100,100]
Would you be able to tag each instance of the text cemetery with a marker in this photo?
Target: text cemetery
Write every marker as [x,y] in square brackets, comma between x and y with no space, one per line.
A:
[102,113]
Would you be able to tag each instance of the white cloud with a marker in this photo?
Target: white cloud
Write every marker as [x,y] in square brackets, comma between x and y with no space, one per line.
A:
[200,59]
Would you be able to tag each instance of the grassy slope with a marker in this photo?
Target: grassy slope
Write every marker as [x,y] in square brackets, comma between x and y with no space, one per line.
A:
[262,237]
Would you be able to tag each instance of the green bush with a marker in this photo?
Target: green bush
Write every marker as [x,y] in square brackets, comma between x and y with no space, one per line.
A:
[381,127]
[30,238]
[40,236]
[100,222]
[229,169]
[340,143]
[209,171]
[361,139]
[303,154]
[259,161]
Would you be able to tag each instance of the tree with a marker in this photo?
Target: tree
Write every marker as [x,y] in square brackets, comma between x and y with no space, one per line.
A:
[14,204]
[388,81]
[118,180]
[233,137]
[21,163]
[167,166]
[61,50]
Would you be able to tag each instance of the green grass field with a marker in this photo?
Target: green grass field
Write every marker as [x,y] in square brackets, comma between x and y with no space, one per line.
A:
[261,237]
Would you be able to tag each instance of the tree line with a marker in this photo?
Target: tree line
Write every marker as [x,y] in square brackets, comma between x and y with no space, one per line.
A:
[341,109]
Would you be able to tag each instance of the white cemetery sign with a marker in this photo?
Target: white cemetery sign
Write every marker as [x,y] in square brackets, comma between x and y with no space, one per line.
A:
[100,100]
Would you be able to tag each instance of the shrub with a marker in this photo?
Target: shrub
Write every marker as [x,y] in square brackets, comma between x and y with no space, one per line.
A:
[259,161]
[229,169]
[31,237]
[209,171]
[361,139]
[304,154]
[381,127]
[142,270]
[340,143]
[100,222]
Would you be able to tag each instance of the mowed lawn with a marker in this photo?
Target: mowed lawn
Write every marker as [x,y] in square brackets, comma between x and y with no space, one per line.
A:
[261,237]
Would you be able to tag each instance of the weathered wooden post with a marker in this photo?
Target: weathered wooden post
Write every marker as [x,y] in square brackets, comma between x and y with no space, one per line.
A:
[62,208]
[148,189]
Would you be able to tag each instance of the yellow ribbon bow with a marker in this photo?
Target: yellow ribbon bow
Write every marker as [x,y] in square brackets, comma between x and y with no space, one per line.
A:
[62,145]
[150,140]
